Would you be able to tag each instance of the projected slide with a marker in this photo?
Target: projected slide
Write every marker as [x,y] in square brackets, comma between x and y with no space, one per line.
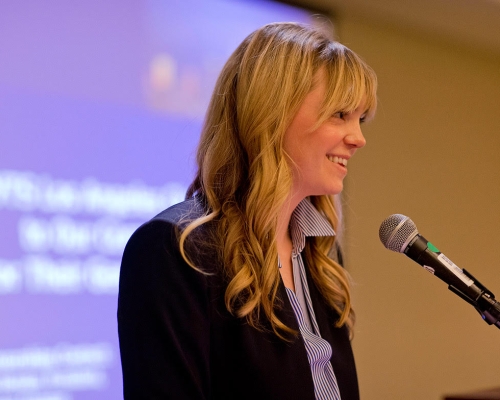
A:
[101,104]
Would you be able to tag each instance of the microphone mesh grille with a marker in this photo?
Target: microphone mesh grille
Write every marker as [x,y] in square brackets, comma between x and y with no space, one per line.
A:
[396,231]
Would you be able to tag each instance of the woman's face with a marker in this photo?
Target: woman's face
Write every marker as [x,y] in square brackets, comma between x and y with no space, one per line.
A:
[320,156]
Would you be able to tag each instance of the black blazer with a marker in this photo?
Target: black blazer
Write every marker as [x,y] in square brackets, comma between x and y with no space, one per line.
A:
[178,341]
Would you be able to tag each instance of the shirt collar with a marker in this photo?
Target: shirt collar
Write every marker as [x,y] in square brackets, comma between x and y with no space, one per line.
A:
[307,221]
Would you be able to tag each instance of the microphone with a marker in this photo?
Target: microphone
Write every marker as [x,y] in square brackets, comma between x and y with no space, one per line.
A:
[399,233]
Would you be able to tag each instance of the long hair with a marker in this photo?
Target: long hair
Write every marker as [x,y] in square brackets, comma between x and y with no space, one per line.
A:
[244,176]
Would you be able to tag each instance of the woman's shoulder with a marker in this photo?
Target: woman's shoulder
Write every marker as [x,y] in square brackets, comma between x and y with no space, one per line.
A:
[173,219]
[180,213]
[162,232]
[166,226]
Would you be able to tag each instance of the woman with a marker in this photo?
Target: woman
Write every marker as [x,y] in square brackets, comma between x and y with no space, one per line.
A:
[236,292]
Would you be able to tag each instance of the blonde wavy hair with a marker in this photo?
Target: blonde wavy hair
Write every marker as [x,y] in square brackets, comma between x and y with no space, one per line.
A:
[244,176]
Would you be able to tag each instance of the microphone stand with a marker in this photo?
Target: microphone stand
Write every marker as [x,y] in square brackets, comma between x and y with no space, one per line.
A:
[485,303]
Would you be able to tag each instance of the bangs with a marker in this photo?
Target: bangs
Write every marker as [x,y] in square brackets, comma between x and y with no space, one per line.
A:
[349,82]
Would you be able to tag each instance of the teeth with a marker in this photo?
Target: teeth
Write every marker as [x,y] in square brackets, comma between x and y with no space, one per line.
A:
[338,160]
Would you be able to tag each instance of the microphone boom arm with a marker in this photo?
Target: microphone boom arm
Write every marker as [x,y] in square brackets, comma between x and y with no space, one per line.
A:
[485,304]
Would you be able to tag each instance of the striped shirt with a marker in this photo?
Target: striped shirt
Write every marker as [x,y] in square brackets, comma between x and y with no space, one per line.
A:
[307,221]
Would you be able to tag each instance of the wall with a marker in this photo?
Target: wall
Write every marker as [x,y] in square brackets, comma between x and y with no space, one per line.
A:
[432,154]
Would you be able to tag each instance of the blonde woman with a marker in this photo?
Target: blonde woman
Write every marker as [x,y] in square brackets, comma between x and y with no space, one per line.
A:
[239,292]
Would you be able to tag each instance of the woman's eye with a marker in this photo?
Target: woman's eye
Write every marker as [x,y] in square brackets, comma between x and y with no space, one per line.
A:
[339,114]
[362,119]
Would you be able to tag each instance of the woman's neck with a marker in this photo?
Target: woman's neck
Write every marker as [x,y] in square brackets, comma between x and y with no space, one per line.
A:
[284,242]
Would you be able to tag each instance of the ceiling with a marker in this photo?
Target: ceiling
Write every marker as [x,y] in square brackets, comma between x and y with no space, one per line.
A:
[471,23]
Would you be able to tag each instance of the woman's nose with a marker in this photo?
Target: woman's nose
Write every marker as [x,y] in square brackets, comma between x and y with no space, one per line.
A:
[355,137]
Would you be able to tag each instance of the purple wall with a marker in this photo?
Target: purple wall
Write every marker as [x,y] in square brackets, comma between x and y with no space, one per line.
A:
[101,104]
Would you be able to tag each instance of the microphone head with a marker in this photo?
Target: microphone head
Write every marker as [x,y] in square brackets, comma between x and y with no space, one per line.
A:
[396,232]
